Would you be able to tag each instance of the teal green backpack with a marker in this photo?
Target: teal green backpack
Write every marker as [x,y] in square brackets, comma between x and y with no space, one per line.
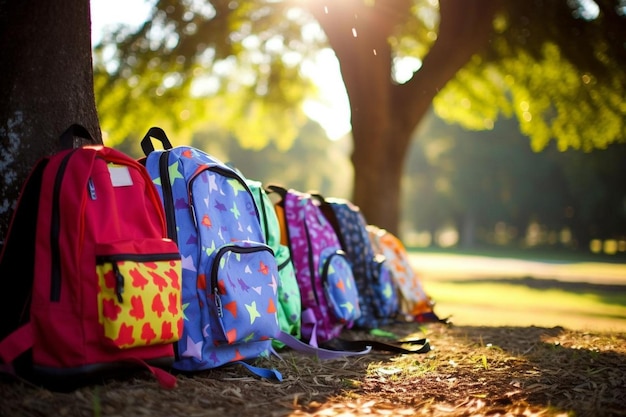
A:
[290,305]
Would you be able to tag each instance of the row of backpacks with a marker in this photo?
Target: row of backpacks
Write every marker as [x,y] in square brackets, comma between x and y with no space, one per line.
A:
[177,261]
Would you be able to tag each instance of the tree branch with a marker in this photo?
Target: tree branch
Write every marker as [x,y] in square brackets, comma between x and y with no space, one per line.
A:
[465,28]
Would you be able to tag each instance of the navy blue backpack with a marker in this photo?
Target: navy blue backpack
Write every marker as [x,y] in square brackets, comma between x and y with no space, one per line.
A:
[378,293]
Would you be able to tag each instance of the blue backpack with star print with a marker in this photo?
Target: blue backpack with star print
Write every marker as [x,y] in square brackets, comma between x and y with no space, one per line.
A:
[229,273]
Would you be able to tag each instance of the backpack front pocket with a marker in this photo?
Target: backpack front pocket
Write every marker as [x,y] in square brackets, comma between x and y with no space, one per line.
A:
[339,286]
[139,292]
[243,298]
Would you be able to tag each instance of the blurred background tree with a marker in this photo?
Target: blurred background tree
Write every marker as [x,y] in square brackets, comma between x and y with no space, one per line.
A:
[205,70]
[553,66]
[493,190]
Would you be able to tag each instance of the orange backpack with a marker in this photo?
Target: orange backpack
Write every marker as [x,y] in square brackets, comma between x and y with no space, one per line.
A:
[415,304]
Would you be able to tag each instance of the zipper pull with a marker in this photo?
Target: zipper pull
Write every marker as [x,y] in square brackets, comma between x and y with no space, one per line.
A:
[218,303]
[193,214]
[119,283]
[91,188]
[192,209]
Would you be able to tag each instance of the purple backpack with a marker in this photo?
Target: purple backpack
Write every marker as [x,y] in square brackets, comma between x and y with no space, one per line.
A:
[229,273]
[330,300]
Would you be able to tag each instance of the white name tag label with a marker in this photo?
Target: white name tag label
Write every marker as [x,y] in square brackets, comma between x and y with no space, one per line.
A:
[120,176]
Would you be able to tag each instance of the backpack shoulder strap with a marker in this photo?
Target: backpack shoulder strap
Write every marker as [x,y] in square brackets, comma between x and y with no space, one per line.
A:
[424,345]
[17,258]
[16,343]
[320,352]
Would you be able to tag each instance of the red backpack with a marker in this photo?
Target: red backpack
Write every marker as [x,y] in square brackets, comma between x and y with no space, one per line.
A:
[91,284]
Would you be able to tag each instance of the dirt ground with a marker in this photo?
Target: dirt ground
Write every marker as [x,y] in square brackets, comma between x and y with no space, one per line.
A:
[495,371]
[472,370]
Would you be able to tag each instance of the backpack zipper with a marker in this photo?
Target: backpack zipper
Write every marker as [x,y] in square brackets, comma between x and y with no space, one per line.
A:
[119,282]
[55,231]
[119,277]
[225,172]
[168,203]
[310,257]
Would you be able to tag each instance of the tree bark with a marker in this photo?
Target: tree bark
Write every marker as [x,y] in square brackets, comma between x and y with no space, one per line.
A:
[384,114]
[46,84]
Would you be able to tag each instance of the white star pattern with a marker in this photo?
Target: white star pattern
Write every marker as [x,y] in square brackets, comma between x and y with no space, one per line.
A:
[187,263]
[194,350]
[212,184]
[274,284]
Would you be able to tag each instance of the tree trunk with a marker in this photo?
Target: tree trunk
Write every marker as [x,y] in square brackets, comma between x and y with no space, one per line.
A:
[385,115]
[46,85]
[467,224]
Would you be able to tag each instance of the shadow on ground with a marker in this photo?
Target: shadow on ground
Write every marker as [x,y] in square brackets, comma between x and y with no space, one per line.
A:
[547,283]
[472,370]
[583,373]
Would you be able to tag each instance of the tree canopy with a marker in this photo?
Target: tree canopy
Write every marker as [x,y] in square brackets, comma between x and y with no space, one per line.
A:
[216,63]
[557,66]
[553,65]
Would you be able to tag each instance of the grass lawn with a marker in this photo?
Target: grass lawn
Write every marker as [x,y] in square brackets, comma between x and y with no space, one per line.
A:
[516,291]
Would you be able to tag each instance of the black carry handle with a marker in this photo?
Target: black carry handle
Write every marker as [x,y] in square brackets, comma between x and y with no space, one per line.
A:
[281,191]
[75,130]
[276,194]
[156,133]
[317,196]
